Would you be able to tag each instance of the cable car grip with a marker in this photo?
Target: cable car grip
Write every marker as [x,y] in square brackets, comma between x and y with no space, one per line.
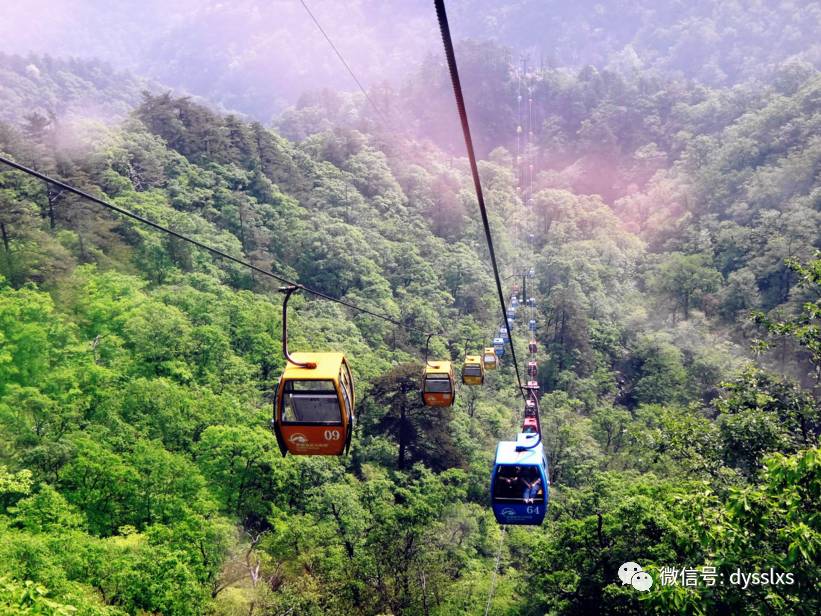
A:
[288,291]
[427,348]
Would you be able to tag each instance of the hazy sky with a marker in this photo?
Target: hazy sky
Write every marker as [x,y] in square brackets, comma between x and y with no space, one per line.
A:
[191,42]
[258,56]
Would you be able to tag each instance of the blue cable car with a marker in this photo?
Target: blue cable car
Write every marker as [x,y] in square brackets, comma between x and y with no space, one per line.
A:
[510,323]
[514,302]
[503,334]
[499,346]
[511,313]
[519,486]
[532,325]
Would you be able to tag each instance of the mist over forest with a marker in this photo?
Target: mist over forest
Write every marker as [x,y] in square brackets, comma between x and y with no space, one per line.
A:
[656,166]
[259,57]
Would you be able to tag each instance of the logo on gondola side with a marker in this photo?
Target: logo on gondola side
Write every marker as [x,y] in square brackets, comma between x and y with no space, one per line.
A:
[298,438]
[507,512]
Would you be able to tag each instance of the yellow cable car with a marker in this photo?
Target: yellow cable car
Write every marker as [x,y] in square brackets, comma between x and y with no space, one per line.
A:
[489,358]
[314,400]
[438,384]
[473,370]
[315,405]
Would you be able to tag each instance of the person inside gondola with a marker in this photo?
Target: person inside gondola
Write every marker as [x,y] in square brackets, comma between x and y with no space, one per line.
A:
[532,485]
[507,480]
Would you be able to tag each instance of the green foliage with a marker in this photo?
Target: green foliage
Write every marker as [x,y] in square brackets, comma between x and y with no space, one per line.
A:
[46,511]
[806,328]
[417,429]
[660,372]
[756,528]
[138,473]
[759,414]
[48,85]
[685,278]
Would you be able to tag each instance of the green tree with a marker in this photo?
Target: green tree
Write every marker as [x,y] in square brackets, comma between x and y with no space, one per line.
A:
[685,278]
[660,375]
[806,328]
[421,432]
[761,414]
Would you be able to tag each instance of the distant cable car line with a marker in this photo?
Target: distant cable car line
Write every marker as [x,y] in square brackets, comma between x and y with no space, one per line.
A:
[211,249]
[442,16]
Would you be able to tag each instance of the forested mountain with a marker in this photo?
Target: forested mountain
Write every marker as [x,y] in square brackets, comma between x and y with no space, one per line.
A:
[258,57]
[64,89]
[673,229]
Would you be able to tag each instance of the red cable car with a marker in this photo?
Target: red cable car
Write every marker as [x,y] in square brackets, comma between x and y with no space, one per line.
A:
[530,425]
[532,369]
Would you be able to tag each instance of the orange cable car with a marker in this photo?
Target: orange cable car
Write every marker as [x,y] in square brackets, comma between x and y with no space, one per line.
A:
[314,400]
[438,384]
[473,370]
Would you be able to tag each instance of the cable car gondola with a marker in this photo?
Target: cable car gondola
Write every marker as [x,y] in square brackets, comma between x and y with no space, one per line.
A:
[533,369]
[314,400]
[532,346]
[530,425]
[511,313]
[438,384]
[503,334]
[519,486]
[514,302]
[473,370]
[531,325]
[489,358]
[530,408]
[499,346]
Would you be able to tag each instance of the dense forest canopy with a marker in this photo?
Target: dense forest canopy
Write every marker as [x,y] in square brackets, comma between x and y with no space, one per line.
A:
[257,57]
[671,217]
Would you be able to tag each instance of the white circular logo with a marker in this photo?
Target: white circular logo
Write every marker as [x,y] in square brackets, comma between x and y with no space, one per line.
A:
[641,581]
[627,571]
